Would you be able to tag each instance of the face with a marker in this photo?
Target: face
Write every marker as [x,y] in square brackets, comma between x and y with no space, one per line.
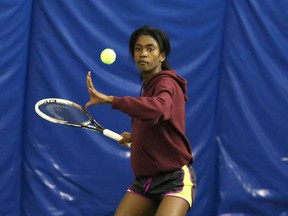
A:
[147,56]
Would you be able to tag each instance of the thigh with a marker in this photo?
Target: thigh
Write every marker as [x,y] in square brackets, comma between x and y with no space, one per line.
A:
[135,205]
[172,206]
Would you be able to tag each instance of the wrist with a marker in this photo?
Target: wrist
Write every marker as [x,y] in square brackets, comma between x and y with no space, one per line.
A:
[109,99]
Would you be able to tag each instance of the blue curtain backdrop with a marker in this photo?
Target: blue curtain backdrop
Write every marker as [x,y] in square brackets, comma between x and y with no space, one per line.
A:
[234,54]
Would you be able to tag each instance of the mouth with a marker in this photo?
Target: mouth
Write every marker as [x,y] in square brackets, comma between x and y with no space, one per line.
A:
[141,62]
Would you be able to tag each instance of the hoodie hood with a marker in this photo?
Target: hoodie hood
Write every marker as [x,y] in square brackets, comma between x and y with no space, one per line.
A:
[169,73]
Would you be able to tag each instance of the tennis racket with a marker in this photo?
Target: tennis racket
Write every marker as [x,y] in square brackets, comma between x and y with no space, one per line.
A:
[68,113]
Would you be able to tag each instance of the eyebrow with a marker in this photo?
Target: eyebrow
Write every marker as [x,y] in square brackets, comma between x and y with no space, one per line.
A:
[137,44]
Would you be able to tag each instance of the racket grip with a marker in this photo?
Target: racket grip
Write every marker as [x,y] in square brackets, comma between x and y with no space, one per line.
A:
[115,136]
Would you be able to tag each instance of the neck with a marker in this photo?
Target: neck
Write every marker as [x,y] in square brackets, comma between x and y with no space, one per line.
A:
[147,75]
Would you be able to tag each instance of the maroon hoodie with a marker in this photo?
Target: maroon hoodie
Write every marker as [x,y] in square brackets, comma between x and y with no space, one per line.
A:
[159,143]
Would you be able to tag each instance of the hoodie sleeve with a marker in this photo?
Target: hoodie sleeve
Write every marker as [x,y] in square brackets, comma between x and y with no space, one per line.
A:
[156,108]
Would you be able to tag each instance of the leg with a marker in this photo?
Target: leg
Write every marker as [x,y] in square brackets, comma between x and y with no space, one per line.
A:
[135,205]
[172,206]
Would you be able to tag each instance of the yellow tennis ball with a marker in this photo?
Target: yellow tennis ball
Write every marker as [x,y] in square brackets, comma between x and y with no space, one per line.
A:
[108,56]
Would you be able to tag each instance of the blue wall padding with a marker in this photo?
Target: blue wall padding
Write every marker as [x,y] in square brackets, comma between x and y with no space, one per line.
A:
[252,128]
[234,55]
[15,19]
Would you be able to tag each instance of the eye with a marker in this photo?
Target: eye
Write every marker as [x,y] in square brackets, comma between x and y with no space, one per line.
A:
[137,49]
[150,49]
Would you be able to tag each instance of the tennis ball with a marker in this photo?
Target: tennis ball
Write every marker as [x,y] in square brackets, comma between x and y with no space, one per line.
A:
[108,56]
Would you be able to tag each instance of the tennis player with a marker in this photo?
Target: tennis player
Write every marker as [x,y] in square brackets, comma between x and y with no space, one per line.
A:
[161,156]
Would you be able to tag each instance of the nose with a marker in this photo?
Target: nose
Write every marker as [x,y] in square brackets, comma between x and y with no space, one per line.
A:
[143,53]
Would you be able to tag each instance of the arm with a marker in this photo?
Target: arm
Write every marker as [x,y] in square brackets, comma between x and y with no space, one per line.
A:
[151,109]
[154,109]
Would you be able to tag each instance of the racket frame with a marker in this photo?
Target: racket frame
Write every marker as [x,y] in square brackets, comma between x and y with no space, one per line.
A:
[86,125]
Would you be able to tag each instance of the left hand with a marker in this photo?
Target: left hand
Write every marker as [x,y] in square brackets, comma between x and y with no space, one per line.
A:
[96,97]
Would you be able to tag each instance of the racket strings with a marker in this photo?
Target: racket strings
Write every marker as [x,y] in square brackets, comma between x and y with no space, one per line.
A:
[64,112]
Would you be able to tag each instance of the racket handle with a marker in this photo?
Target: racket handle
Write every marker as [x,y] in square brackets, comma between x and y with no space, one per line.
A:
[115,136]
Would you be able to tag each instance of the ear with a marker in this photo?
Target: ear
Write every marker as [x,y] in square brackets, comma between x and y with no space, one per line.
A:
[162,57]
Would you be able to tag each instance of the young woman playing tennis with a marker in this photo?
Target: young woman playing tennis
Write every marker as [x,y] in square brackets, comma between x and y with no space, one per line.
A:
[161,157]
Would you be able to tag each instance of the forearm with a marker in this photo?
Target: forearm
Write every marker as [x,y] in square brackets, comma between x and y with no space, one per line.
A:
[148,109]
